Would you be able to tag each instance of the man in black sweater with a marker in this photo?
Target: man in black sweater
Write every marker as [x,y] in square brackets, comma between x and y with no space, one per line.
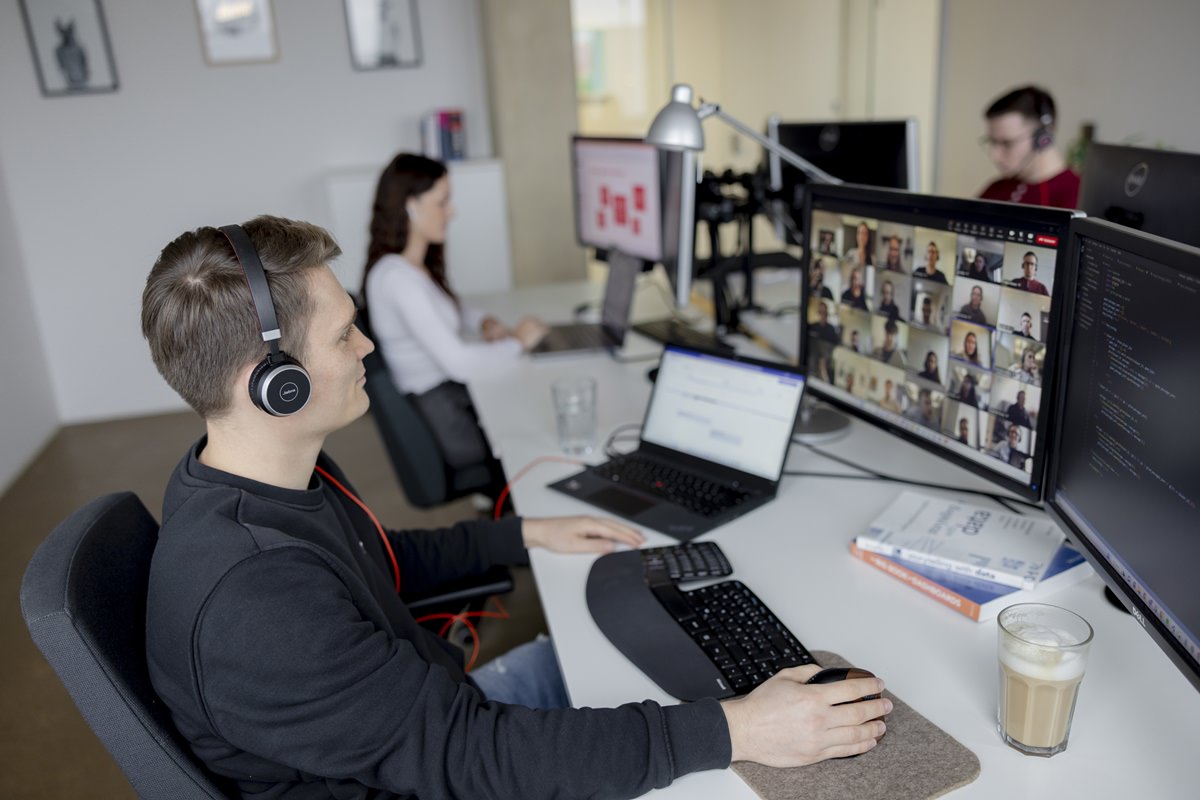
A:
[277,632]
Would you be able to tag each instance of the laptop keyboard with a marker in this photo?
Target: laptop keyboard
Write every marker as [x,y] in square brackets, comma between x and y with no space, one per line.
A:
[738,633]
[700,496]
[575,338]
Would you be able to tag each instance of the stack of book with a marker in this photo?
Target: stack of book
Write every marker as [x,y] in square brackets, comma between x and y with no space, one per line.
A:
[974,560]
[442,135]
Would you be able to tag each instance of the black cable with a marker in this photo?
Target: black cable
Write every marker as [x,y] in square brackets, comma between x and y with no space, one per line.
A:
[609,449]
[870,473]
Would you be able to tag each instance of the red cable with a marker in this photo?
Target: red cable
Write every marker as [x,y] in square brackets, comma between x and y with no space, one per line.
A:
[521,472]
[462,617]
[379,528]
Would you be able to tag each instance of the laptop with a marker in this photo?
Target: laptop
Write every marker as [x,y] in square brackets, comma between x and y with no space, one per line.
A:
[712,446]
[609,334]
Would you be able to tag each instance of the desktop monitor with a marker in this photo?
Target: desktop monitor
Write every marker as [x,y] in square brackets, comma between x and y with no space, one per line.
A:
[1156,191]
[617,191]
[937,319]
[877,153]
[1123,480]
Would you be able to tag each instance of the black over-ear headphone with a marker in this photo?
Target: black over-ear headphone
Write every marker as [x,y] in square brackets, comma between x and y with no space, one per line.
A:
[279,385]
[1043,135]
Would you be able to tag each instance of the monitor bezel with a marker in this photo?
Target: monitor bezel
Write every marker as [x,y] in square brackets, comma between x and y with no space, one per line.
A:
[1174,255]
[576,138]
[950,206]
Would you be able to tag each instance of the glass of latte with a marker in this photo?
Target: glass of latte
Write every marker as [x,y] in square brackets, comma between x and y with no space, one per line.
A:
[1043,652]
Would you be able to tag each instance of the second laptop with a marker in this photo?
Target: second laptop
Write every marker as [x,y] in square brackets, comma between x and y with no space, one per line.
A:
[713,445]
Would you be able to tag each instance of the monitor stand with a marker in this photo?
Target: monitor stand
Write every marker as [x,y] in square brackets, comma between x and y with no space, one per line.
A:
[819,423]
[1112,598]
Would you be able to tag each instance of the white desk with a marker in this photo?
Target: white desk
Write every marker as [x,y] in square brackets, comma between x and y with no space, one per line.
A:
[1137,722]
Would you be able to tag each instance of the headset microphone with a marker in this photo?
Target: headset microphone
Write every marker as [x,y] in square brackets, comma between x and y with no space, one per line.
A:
[279,385]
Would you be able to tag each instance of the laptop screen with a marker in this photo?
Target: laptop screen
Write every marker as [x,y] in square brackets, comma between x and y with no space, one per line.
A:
[735,413]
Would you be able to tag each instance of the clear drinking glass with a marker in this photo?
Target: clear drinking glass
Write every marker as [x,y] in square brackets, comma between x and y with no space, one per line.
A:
[1043,652]
[575,408]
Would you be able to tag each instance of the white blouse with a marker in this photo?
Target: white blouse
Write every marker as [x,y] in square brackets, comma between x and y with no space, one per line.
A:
[419,330]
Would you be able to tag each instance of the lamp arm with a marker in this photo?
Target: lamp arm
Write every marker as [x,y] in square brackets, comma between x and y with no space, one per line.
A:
[814,173]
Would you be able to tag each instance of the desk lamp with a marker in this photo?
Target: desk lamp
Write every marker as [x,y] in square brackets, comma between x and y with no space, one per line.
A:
[678,127]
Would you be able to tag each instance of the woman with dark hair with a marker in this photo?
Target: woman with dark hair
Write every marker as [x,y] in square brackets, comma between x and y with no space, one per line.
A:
[930,373]
[415,317]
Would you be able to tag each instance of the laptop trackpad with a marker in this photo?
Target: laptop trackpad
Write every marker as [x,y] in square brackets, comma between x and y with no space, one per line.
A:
[627,504]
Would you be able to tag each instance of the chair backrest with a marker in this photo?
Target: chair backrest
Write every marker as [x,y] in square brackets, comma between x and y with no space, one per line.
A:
[410,445]
[83,598]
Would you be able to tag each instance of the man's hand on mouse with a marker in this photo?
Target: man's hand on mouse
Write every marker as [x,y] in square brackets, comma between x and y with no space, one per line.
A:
[788,723]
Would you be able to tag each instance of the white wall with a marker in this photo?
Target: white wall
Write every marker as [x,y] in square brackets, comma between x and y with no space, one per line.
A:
[98,184]
[27,415]
[890,55]
[1131,67]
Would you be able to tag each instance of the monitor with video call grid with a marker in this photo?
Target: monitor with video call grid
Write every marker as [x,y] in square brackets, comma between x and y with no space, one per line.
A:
[936,319]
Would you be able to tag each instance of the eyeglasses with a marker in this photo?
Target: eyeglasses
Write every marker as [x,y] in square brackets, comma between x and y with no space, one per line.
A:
[988,143]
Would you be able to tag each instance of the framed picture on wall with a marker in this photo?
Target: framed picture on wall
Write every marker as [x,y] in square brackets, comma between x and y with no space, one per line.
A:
[383,33]
[69,42]
[237,31]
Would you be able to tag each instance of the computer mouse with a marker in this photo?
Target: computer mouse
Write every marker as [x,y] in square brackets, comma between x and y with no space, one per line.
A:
[835,674]
[652,374]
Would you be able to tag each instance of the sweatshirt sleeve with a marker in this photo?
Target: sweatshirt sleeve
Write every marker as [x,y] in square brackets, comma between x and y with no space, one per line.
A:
[288,667]
[459,359]
[429,558]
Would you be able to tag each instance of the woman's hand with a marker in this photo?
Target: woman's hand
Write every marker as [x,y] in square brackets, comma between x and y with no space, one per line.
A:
[493,330]
[529,331]
[578,534]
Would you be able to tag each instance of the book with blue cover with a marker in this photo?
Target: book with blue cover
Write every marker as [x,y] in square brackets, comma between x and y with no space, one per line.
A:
[974,597]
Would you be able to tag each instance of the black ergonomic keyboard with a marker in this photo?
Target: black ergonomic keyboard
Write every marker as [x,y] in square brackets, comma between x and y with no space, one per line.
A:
[694,492]
[716,641]
[690,561]
[673,331]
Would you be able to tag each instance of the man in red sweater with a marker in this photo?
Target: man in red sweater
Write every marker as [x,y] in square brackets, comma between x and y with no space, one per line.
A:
[1021,127]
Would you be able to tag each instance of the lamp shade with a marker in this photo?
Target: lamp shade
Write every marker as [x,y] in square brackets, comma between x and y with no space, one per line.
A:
[677,126]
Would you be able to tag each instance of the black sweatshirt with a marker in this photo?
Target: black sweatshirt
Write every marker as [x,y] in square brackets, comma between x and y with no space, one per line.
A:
[276,638]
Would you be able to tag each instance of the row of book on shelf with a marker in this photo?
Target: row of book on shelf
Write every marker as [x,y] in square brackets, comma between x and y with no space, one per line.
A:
[974,560]
[443,136]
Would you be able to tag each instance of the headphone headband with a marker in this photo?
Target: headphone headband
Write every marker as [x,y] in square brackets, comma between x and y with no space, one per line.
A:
[256,279]
[279,385]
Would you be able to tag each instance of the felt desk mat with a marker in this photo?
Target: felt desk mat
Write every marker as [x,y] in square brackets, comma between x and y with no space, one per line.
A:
[915,760]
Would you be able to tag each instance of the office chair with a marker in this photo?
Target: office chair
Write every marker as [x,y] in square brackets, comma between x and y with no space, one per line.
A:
[83,598]
[427,481]
[425,477]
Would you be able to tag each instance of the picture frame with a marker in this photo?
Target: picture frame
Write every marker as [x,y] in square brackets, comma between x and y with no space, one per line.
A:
[69,42]
[237,31]
[384,34]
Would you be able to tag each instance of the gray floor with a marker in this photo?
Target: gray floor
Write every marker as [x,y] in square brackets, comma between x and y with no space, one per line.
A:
[46,749]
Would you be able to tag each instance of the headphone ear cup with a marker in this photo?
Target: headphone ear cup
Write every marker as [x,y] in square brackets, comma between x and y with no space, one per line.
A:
[280,387]
[1043,137]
